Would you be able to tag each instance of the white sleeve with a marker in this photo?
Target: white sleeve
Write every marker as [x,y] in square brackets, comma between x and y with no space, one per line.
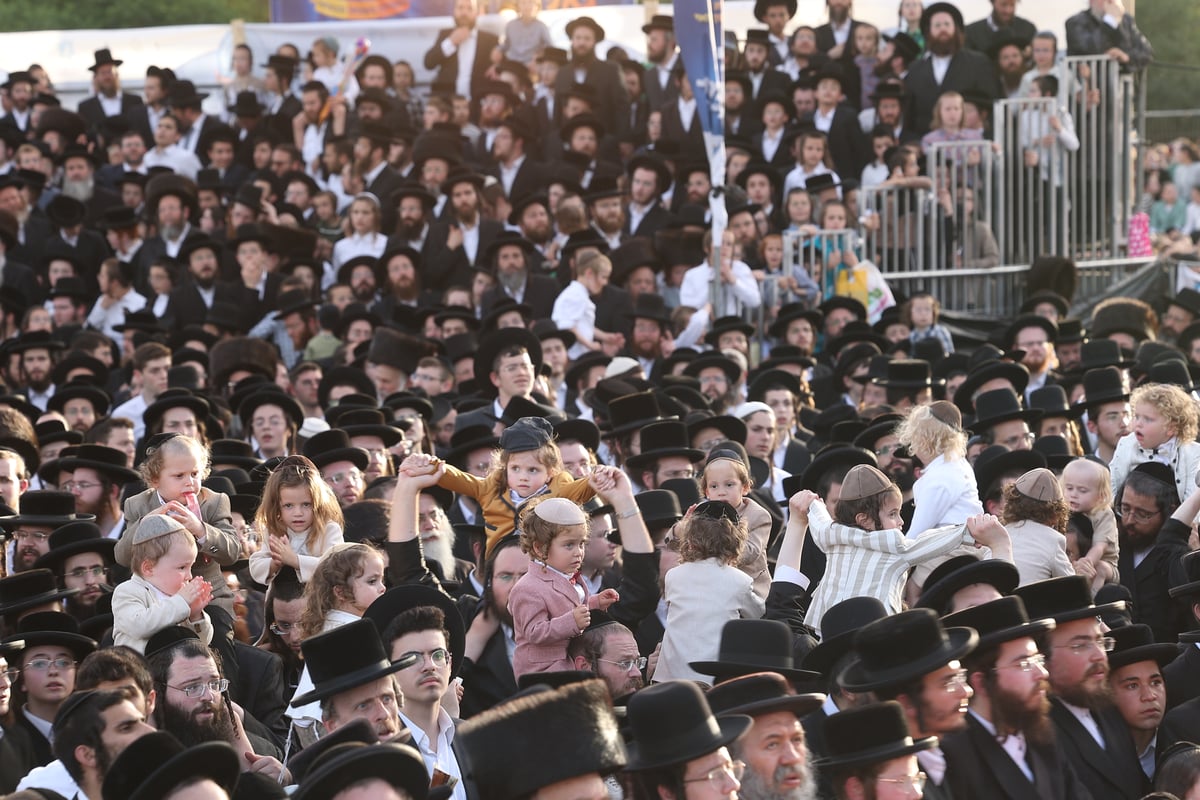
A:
[693,291]
[745,286]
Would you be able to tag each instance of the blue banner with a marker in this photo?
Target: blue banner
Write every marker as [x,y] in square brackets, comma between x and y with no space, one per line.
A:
[698,31]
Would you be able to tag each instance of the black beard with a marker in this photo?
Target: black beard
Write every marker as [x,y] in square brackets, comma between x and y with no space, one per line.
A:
[1010,713]
[190,732]
[410,231]
[943,48]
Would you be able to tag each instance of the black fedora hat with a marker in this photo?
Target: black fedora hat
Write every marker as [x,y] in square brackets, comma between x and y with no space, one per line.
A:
[108,461]
[357,730]
[791,312]
[495,343]
[346,658]
[33,340]
[881,426]
[1000,405]
[761,6]
[1051,401]
[664,440]
[649,306]
[671,723]
[656,164]
[1134,643]
[633,412]
[1063,599]
[1103,385]
[729,426]
[52,431]
[979,374]
[856,332]
[1061,305]
[760,693]
[579,430]
[466,440]
[1048,326]
[155,764]
[81,388]
[1191,567]
[52,628]
[687,490]
[962,571]
[368,422]
[733,372]
[104,58]
[723,325]
[399,599]
[79,361]
[1188,299]
[331,446]
[999,621]
[902,648]
[572,729]
[838,626]
[267,394]
[546,329]
[909,373]
[398,765]
[233,451]
[870,734]
[1056,451]
[586,22]
[73,539]
[659,507]
[754,645]
[29,589]
[834,457]
[940,8]
[45,508]
[998,460]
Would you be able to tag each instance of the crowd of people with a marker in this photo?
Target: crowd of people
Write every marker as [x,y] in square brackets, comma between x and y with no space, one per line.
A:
[367,441]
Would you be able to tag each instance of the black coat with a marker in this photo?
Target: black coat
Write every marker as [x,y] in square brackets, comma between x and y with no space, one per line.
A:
[845,143]
[612,101]
[655,220]
[826,40]
[969,72]
[1183,677]
[384,185]
[16,757]
[613,306]
[980,34]
[281,121]
[691,139]
[21,278]
[39,746]
[462,270]
[447,66]
[489,680]
[99,122]
[33,249]
[1150,581]
[530,178]
[261,690]
[656,94]
[773,81]
[188,308]
[540,294]
[1181,724]
[1109,772]
[977,767]
[435,257]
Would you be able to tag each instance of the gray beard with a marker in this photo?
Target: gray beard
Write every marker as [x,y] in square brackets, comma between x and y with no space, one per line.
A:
[512,281]
[79,190]
[755,788]
[171,232]
[441,550]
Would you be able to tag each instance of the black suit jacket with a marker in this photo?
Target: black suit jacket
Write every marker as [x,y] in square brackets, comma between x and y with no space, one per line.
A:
[461,270]
[1109,772]
[21,278]
[281,121]
[1181,724]
[540,294]
[37,231]
[826,40]
[101,200]
[385,183]
[39,746]
[691,139]
[1183,676]
[435,257]
[16,758]
[612,307]
[1150,581]
[530,178]
[796,458]
[977,767]
[655,93]
[489,680]
[612,101]
[655,220]
[100,123]
[188,308]
[260,689]
[845,143]
[773,81]
[969,72]
[447,66]
[980,35]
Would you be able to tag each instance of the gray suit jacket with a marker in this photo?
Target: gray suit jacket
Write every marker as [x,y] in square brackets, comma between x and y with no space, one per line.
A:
[220,547]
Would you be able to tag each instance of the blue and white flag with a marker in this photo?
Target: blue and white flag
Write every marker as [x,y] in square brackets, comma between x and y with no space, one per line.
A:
[700,33]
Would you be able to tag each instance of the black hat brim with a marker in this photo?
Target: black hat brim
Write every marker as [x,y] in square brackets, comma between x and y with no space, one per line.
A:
[368,761]
[56,556]
[724,670]
[878,755]
[77,643]
[121,474]
[799,704]
[44,520]
[390,436]
[644,459]
[857,677]
[1001,574]
[732,728]
[401,598]
[355,455]
[215,760]
[1162,654]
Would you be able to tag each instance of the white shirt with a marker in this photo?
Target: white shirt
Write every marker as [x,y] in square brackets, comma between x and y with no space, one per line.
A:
[636,214]
[111,105]
[174,157]
[370,244]
[53,776]
[466,60]
[687,112]
[841,34]
[1086,720]
[574,310]
[1013,744]
[770,144]
[103,319]
[39,399]
[823,121]
[945,494]
[470,242]
[695,290]
[508,174]
[940,65]
[314,142]
[133,409]
[444,758]
[43,727]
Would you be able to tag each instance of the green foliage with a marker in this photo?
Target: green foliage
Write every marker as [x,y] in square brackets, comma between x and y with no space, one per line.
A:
[20,15]
[1171,27]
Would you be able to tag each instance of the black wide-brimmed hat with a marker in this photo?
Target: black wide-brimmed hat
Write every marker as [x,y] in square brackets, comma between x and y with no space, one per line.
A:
[53,628]
[870,734]
[729,324]
[962,571]
[155,764]
[466,440]
[902,648]
[80,388]
[1052,402]
[29,589]
[999,621]
[572,729]
[235,452]
[45,508]
[1136,643]
[51,431]
[399,599]
[881,426]
[346,658]
[761,6]
[74,539]
[1001,405]
[940,8]
[664,440]
[909,373]
[107,461]
[268,394]
[838,626]
[834,457]
[331,446]
[659,507]
[733,372]
[1191,566]
[632,412]
[104,58]
[398,765]
[998,460]
[754,645]
[1049,327]
[579,430]
[1103,385]
[1016,374]
[369,422]
[761,693]
[1063,599]
[671,724]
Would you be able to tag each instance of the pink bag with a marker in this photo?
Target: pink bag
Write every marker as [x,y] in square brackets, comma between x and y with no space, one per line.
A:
[1139,236]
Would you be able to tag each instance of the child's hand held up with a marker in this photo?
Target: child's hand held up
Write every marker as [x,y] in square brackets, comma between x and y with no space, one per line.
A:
[583,617]
[607,598]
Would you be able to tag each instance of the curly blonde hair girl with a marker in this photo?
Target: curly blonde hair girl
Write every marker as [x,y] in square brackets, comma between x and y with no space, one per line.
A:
[931,431]
[1174,404]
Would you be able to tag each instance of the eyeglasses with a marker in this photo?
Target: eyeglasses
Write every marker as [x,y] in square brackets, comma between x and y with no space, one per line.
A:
[718,777]
[82,486]
[1104,644]
[914,782]
[480,466]
[1137,514]
[512,369]
[889,449]
[338,478]
[1027,664]
[83,572]
[284,628]
[195,690]
[11,674]
[628,664]
[31,536]
[439,656]
[1013,441]
[954,682]
[44,664]
[708,445]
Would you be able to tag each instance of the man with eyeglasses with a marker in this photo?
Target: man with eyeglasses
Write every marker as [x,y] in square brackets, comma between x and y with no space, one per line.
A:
[420,638]
[1089,727]
[45,673]
[665,455]
[610,650]
[927,681]
[1000,419]
[97,475]
[42,512]
[341,465]
[1008,749]
[1153,529]
[81,557]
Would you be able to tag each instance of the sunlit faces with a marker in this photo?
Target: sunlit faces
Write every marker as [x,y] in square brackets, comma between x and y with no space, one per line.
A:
[723,481]
[1151,427]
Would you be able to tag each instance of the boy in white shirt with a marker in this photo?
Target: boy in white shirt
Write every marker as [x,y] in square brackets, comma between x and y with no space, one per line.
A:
[575,311]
